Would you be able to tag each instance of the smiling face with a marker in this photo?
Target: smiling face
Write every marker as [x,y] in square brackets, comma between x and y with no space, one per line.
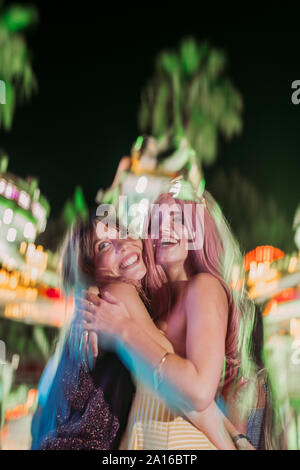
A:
[115,257]
[171,247]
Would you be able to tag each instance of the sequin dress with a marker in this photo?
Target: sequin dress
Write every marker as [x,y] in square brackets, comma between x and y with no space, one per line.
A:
[98,405]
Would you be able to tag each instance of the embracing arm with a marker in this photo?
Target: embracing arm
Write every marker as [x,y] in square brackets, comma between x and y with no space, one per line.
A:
[196,377]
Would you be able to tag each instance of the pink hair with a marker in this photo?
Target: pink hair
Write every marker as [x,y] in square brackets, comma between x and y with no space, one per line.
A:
[208,259]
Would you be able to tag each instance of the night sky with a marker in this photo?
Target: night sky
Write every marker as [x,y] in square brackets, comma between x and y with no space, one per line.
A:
[91,69]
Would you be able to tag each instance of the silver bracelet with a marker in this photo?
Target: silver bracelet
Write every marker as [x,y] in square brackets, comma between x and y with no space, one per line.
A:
[157,373]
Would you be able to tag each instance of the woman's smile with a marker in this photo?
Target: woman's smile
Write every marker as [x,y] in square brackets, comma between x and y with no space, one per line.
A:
[167,242]
[129,261]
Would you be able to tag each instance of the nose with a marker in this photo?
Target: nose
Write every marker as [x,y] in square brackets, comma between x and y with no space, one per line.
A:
[121,245]
[165,227]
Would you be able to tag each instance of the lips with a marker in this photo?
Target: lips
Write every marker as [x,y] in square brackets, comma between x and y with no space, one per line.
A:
[129,260]
[167,242]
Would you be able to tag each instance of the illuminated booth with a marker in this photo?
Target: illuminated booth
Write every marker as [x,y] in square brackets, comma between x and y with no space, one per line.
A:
[273,280]
[28,274]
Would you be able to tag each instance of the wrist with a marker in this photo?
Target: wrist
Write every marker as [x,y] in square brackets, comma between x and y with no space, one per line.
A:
[158,371]
[238,439]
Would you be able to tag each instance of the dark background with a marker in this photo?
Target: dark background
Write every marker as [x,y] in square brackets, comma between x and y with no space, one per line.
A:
[91,67]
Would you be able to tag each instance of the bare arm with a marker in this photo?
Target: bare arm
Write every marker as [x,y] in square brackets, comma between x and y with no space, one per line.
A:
[207,314]
[198,375]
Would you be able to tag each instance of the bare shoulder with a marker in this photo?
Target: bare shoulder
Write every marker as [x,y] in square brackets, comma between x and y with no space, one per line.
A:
[205,287]
[203,281]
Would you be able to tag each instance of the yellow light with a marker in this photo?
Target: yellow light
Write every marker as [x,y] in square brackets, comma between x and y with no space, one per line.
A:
[13,281]
[26,279]
[3,277]
[293,264]
[271,274]
[31,294]
[295,328]
[23,247]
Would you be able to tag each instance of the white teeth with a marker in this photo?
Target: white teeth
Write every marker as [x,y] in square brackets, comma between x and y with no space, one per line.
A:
[130,261]
[168,240]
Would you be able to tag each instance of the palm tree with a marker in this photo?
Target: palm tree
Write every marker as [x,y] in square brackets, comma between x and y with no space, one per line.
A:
[15,64]
[190,97]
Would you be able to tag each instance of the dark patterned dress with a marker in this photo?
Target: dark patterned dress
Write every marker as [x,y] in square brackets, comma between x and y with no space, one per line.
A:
[95,406]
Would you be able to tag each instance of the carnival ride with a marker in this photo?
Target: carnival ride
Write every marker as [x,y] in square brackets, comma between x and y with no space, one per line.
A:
[29,290]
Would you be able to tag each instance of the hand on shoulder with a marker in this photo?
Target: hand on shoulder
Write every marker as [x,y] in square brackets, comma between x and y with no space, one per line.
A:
[123,291]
